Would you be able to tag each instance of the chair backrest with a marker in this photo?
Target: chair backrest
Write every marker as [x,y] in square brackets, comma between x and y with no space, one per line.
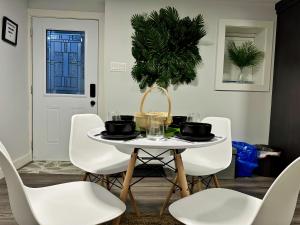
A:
[82,147]
[221,153]
[16,190]
[280,201]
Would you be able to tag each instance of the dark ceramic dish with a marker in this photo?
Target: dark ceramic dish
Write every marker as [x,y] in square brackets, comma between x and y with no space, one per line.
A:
[196,139]
[194,129]
[105,135]
[120,127]
[177,120]
[127,117]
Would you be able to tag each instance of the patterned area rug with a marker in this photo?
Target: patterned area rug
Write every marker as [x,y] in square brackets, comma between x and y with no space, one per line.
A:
[51,167]
[66,167]
[148,219]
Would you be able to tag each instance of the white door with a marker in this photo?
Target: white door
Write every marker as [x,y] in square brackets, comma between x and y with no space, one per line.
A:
[65,68]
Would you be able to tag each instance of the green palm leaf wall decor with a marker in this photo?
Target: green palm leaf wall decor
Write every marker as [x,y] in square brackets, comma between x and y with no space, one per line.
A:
[165,48]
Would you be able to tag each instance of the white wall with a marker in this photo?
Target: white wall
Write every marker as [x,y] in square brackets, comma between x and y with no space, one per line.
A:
[249,111]
[14,90]
[73,5]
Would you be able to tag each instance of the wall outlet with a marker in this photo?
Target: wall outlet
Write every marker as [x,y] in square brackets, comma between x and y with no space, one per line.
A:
[118,67]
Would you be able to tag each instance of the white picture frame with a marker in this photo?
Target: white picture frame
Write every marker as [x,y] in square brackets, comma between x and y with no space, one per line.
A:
[257,78]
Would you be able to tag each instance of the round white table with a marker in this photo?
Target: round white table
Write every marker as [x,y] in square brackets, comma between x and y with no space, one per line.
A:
[166,143]
[173,144]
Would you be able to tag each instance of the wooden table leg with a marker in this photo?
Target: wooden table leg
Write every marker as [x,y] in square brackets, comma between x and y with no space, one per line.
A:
[182,182]
[127,180]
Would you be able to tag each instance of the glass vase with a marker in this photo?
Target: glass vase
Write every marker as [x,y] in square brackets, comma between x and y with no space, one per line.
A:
[242,78]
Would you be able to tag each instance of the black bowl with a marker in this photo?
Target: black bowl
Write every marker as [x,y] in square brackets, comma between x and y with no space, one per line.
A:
[177,120]
[127,117]
[194,129]
[120,127]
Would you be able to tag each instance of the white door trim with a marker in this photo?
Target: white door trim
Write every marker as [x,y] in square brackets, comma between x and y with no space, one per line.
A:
[67,15]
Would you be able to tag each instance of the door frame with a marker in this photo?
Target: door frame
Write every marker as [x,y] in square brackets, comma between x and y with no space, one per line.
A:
[61,14]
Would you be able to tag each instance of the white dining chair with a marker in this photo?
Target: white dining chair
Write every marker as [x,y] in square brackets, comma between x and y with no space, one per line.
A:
[208,161]
[92,156]
[95,158]
[220,206]
[75,203]
[202,164]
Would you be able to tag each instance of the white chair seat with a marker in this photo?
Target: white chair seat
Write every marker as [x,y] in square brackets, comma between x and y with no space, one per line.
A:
[216,206]
[228,207]
[104,164]
[74,203]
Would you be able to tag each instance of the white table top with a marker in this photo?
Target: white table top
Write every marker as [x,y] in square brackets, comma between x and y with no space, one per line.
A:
[141,142]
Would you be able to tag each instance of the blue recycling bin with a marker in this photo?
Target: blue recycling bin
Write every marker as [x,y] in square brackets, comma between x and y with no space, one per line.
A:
[246,158]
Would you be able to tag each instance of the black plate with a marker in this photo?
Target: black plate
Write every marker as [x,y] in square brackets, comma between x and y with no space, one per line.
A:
[189,138]
[105,135]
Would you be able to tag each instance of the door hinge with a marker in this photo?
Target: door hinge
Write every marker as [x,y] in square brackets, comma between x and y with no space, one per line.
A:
[31,31]
[31,89]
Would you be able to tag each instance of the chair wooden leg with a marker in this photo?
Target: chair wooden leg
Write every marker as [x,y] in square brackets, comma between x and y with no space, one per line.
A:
[199,185]
[133,203]
[132,200]
[102,181]
[106,178]
[167,200]
[85,176]
[216,181]
[127,180]
[194,180]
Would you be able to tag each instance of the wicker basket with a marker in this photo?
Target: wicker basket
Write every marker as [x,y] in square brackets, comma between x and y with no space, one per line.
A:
[142,118]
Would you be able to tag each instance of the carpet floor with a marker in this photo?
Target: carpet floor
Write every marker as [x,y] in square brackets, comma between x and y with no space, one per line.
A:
[148,219]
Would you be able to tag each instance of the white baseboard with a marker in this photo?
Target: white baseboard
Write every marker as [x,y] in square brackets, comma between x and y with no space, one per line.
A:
[19,162]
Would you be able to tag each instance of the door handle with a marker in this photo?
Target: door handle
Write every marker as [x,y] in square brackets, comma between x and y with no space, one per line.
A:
[93,103]
[92,90]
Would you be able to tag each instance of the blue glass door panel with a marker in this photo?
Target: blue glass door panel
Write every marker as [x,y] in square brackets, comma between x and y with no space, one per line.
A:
[65,62]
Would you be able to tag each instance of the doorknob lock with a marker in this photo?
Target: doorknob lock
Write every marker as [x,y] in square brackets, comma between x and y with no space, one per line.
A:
[93,103]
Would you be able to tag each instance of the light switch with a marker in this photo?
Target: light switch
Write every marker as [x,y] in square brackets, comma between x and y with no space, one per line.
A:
[118,67]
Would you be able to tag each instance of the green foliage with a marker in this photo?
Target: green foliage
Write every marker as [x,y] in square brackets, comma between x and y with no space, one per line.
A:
[245,55]
[165,48]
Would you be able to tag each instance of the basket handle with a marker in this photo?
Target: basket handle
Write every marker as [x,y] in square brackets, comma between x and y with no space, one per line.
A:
[166,94]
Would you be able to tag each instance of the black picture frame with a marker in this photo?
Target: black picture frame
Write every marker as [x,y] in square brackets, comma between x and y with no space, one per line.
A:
[9,31]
